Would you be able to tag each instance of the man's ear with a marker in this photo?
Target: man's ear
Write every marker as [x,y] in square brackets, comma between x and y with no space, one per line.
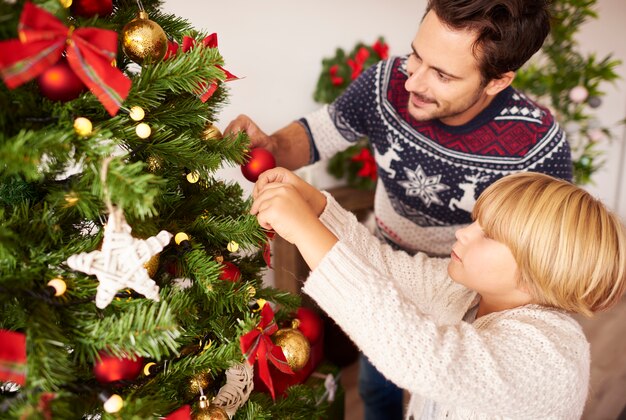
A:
[496,86]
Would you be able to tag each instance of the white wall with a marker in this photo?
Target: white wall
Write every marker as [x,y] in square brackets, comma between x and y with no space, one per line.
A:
[277,47]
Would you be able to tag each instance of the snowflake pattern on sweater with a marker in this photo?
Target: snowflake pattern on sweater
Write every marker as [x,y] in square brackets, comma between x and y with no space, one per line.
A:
[431,174]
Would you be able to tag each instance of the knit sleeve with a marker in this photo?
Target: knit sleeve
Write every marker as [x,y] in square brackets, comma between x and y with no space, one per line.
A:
[523,363]
[422,279]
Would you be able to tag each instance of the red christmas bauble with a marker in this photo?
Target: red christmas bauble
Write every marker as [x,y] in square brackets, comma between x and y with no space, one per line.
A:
[89,8]
[230,272]
[260,161]
[110,368]
[60,83]
[310,324]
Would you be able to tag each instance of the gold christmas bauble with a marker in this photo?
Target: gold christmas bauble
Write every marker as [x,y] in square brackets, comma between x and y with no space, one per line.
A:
[144,40]
[200,381]
[154,163]
[296,347]
[211,132]
[152,265]
[212,412]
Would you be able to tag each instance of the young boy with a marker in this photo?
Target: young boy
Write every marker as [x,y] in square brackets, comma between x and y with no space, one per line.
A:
[484,334]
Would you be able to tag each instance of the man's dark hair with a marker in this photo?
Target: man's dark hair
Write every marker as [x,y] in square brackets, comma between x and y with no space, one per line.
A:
[509,31]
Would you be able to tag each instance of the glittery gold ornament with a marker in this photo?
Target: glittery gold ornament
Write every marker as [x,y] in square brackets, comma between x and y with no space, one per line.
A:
[144,40]
[152,265]
[198,382]
[210,412]
[154,163]
[211,132]
[66,3]
[82,126]
[296,347]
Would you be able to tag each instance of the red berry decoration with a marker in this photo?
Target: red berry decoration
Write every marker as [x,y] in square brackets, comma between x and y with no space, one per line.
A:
[110,368]
[260,161]
[230,272]
[89,8]
[310,324]
[60,83]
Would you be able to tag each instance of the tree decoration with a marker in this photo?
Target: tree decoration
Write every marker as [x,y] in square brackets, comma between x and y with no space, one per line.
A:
[119,264]
[60,83]
[143,130]
[193,177]
[58,285]
[112,403]
[232,246]
[110,368]
[143,39]
[13,357]
[310,324]
[152,265]
[237,389]
[230,272]
[257,346]
[207,89]
[295,346]
[136,113]
[89,8]
[199,383]
[42,41]
[82,126]
[561,77]
[208,411]
[211,132]
[260,160]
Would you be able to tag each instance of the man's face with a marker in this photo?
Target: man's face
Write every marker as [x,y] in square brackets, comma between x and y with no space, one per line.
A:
[444,78]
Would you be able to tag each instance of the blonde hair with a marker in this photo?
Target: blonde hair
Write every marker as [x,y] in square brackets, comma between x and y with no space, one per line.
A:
[570,250]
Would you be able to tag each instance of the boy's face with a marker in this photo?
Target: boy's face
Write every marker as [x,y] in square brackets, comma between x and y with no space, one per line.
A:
[484,265]
[444,78]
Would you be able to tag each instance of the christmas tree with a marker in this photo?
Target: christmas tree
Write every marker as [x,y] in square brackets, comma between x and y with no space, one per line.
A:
[130,274]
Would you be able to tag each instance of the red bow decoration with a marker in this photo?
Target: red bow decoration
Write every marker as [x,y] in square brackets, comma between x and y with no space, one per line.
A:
[258,345]
[183,413]
[205,91]
[90,51]
[13,357]
[369,164]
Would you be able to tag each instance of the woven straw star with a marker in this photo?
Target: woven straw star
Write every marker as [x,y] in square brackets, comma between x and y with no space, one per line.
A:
[120,263]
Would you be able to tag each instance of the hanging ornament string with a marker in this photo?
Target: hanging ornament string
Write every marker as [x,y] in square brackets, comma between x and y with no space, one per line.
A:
[258,345]
[120,262]
[42,41]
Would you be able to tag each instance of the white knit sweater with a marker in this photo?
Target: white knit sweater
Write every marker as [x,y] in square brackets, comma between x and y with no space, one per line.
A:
[405,314]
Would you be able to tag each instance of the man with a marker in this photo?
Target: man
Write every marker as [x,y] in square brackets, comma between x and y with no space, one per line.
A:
[444,123]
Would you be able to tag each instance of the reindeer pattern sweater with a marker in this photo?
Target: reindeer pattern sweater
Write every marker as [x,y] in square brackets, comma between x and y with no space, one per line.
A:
[405,314]
[430,174]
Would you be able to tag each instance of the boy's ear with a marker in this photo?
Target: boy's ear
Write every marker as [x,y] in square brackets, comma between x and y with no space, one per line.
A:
[496,86]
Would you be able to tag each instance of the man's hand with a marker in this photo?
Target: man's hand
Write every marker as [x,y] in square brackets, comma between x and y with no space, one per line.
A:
[257,137]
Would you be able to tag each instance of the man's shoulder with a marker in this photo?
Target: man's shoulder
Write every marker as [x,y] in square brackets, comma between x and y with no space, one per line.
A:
[518,105]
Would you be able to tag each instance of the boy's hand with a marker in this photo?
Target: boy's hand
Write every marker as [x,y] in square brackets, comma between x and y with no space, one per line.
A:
[315,199]
[280,207]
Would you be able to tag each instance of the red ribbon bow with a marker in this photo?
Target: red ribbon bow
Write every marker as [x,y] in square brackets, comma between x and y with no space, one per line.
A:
[205,90]
[90,51]
[258,345]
